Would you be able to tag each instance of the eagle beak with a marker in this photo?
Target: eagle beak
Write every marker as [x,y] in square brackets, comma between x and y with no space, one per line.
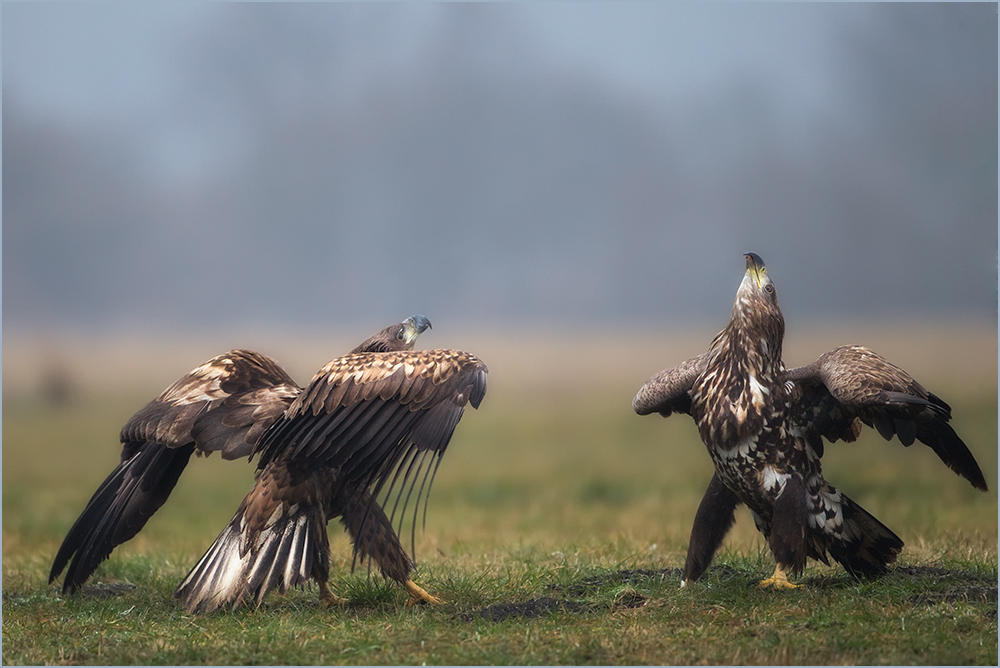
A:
[414,326]
[755,268]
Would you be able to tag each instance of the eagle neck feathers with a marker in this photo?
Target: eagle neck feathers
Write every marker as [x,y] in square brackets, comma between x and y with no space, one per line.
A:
[740,387]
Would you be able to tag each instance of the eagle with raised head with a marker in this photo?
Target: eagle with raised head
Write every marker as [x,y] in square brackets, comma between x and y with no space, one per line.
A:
[764,427]
[375,420]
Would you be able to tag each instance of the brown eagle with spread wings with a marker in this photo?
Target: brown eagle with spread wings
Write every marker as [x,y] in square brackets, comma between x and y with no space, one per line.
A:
[764,426]
[376,420]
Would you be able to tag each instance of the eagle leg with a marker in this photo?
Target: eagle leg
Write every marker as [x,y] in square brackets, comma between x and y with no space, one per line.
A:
[789,522]
[712,522]
[418,595]
[327,598]
[779,580]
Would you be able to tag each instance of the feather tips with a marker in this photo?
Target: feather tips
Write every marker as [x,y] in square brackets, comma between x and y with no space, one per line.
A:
[667,391]
[864,385]
[224,404]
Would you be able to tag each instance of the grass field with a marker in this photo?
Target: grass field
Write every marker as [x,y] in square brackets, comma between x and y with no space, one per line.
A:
[555,529]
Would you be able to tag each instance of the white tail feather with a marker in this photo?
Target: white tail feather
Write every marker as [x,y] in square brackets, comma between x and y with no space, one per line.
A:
[281,555]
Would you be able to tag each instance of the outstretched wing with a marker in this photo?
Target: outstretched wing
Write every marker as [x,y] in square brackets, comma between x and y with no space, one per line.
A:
[853,383]
[377,419]
[224,404]
[667,391]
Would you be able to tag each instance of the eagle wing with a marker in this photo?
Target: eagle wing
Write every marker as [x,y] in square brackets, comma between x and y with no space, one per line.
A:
[225,404]
[377,418]
[667,391]
[853,383]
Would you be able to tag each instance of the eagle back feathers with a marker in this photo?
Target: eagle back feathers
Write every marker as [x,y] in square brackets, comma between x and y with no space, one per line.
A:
[359,409]
[413,378]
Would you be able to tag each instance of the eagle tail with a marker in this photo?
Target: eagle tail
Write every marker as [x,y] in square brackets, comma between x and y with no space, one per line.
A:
[864,546]
[266,545]
[118,510]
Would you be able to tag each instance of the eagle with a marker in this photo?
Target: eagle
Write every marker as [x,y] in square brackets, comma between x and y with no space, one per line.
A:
[376,420]
[764,426]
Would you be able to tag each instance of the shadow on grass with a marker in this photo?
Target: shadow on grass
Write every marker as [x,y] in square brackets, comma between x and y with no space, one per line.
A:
[946,586]
[608,591]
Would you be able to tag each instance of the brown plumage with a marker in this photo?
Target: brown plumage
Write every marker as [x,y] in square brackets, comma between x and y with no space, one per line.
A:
[226,405]
[764,427]
[367,424]
[223,405]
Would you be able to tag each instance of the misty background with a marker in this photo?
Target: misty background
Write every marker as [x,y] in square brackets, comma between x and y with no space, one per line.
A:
[179,167]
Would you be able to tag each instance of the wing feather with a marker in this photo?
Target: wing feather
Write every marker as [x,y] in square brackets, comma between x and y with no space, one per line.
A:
[379,420]
[854,383]
[225,405]
[217,406]
[338,420]
[667,391]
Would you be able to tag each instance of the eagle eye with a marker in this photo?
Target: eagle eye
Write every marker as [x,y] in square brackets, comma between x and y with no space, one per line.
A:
[769,289]
[399,335]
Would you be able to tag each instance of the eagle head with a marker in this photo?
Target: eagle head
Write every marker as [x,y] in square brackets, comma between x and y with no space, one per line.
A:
[756,285]
[400,336]
[756,319]
[412,327]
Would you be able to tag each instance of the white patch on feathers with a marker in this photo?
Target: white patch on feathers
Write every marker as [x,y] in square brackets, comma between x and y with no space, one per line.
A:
[830,498]
[218,577]
[757,392]
[296,557]
[771,479]
[223,576]
[278,513]
[742,449]
[209,376]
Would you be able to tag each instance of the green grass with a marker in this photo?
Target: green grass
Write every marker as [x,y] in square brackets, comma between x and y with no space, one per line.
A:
[555,528]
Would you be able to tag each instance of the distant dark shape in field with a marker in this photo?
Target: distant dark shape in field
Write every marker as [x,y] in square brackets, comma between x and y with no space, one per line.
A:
[764,426]
[376,420]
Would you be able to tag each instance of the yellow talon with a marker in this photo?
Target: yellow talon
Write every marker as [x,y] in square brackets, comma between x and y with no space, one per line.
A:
[327,598]
[418,595]
[778,581]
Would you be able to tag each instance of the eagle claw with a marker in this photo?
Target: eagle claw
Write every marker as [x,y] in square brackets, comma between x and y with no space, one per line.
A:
[327,598]
[778,581]
[419,595]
